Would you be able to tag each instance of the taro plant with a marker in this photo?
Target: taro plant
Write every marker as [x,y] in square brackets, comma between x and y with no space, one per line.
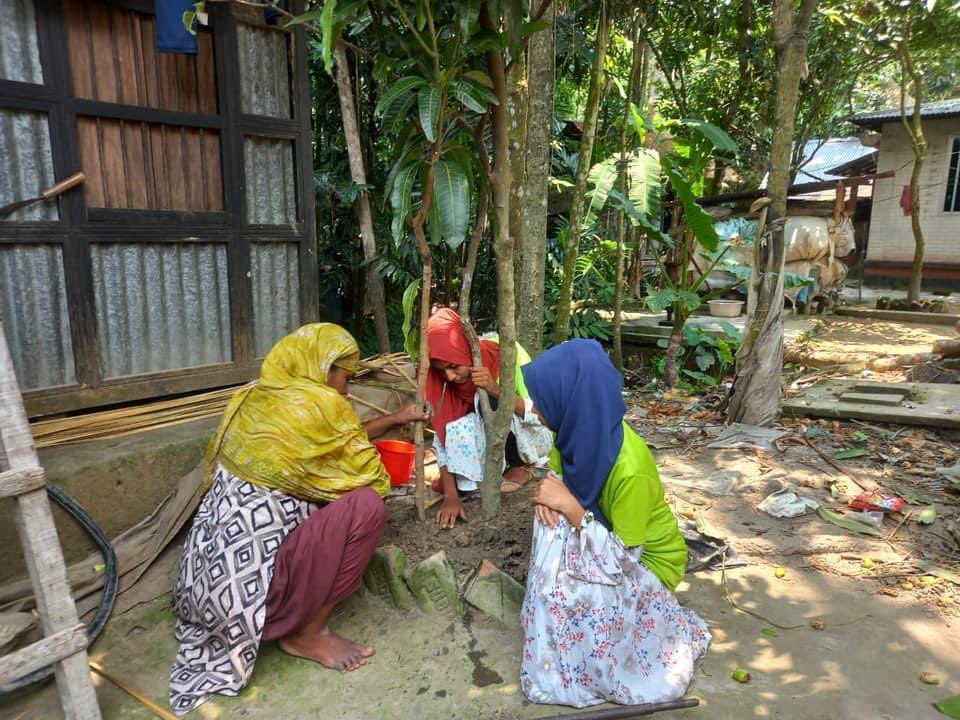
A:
[706,356]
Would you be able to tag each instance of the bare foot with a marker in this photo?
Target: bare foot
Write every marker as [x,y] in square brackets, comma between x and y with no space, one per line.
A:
[328,649]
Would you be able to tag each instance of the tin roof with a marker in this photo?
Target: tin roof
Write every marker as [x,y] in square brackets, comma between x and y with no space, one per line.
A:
[824,157]
[941,108]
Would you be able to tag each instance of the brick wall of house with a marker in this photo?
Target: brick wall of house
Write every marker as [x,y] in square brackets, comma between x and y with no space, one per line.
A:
[891,236]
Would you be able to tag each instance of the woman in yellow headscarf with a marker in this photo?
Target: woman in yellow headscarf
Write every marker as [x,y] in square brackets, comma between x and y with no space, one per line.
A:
[292,514]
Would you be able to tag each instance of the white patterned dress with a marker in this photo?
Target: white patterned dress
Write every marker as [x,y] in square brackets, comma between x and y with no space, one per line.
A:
[599,626]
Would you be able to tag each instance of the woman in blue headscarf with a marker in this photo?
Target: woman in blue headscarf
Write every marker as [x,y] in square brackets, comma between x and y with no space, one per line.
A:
[601,623]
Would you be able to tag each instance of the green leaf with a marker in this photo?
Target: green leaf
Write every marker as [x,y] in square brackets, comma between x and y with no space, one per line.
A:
[428,104]
[848,453]
[661,300]
[99,568]
[475,97]
[724,351]
[814,431]
[950,707]
[638,123]
[479,77]
[704,359]
[452,197]
[483,41]
[529,28]
[701,377]
[770,632]
[717,138]
[602,176]
[400,87]
[400,199]
[469,13]
[927,515]
[643,178]
[690,299]
[328,36]
[396,115]
[696,217]
[410,333]
[848,523]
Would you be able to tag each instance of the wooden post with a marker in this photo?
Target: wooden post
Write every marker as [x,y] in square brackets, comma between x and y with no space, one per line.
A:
[44,558]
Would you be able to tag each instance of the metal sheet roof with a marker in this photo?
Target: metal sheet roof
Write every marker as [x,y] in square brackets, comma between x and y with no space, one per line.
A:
[941,108]
[822,157]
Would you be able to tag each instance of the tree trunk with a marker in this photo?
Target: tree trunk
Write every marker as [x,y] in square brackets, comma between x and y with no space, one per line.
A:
[561,329]
[518,107]
[757,389]
[531,243]
[351,131]
[918,143]
[503,244]
[636,68]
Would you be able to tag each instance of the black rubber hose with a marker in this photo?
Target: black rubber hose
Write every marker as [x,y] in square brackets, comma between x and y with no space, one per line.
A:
[110,583]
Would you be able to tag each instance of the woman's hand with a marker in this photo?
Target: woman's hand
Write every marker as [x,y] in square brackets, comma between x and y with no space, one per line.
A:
[483,379]
[555,495]
[548,517]
[413,413]
[448,513]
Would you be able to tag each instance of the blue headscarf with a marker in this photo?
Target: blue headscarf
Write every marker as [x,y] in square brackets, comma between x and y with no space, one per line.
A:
[578,391]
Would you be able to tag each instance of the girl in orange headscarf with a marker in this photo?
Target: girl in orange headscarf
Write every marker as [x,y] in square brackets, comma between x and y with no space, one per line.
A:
[460,441]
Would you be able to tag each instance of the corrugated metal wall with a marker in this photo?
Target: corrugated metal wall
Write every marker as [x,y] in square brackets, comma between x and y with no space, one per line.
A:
[271,182]
[276,292]
[33,306]
[19,56]
[161,306]
[27,163]
[264,71]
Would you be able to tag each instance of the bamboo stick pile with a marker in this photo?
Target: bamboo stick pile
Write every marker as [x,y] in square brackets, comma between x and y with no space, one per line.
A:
[375,371]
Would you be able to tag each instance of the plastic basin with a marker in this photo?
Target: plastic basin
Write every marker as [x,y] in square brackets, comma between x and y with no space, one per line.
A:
[398,458]
[725,308]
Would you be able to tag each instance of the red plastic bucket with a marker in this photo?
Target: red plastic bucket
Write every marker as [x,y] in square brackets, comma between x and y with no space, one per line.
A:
[398,457]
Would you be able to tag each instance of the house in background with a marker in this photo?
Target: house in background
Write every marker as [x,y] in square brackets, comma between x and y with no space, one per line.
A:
[191,247]
[891,244]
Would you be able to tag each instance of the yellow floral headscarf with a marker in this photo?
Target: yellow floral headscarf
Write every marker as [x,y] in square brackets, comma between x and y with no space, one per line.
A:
[291,431]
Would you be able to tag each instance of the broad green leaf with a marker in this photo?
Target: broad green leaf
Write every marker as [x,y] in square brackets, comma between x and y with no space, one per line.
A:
[950,707]
[601,177]
[469,95]
[770,632]
[848,453]
[648,224]
[397,114]
[724,351]
[408,154]
[484,40]
[661,300]
[347,12]
[717,138]
[479,77]
[696,217]
[400,200]
[328,36]
[400,87]
[731,330]
[469,13]
[690,299]
[704,359]
[529,28]
[428,104]
[847,523]
[452,196]
[643,179]
[480,93]
[638,123]
[410,334]
[701,377]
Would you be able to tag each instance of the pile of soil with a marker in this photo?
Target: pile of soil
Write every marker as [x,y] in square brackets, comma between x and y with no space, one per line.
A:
[503,539]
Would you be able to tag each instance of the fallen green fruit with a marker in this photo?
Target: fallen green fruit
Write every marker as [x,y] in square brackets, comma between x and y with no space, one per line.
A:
[927,515]
[741,675]
[779,572]
[867,564]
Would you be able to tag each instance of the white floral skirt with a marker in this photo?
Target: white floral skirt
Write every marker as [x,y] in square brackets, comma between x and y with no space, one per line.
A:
[599,626]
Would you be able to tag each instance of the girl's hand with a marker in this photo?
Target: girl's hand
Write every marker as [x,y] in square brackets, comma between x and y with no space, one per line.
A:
[554,494]
[548,517]
[483,379]
[449,512]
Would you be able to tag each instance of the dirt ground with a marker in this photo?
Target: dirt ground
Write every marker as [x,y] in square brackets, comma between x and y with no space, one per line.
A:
[830,623]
